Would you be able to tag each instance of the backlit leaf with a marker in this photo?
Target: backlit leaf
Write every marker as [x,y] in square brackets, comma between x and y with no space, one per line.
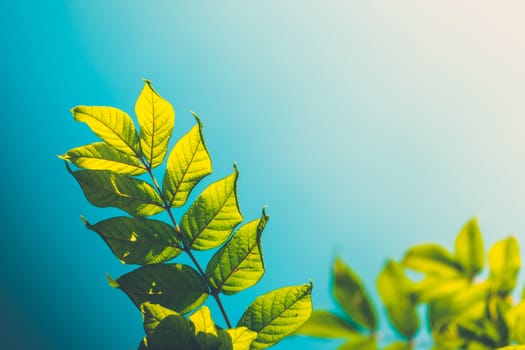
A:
[101,156]
[205,331]
[431,259]
[398,345]
[175,286]
[112,125]
[435,287]
[470,252]
[236,338]
[239,263]
[277,314]
[351,294]
[107,189]
[211,218]
[516,318]
[153,314]
[325,324]
[471,303]
[504,263]
[394,289]
[188,163]
[138,240]
[156,118]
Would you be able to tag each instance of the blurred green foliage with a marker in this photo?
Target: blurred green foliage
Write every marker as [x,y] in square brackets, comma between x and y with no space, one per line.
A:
[463,310]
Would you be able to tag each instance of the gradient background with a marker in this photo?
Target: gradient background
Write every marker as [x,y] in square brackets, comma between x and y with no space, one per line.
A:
[365,126]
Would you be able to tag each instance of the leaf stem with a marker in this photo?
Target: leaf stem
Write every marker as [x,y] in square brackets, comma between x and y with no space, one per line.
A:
[212,291]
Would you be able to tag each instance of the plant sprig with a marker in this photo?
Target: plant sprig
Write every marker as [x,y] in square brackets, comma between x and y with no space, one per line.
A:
[165,292]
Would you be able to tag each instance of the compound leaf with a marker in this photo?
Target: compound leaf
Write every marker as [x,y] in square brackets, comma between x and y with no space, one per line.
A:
[277,314]
[239,263]
[504,263]
[325,324]
[107,189]
[138,240]
[101,156]
[351,294]
[470,252]
[112,125]
[156,118]
[188,163]
[175,286]
[211,218]
[394,289]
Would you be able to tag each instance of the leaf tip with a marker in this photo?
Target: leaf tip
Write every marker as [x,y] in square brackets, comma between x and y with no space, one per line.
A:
[63,157]
[113,283]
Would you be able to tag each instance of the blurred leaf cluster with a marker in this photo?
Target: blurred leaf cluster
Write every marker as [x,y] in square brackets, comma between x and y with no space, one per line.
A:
[121,172]
[462,309]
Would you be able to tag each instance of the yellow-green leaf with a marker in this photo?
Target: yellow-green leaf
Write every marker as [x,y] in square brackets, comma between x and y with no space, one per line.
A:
[399,345]
[156,118]
[394,289]
[205,330]
[516,318]
[153,314]
[504,263]
[236,338]
[101,156]
[470,252]
[211,218]
[188,163]
[112,125]
[173,332]
[432,287]
[107,189]
[351,294]
[239,263]
[277,314]
[138,240]
[325,324]
[175,286]
[431,259]
[360,342]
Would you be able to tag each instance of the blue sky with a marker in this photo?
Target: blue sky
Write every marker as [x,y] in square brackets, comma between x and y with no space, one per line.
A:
[366,127]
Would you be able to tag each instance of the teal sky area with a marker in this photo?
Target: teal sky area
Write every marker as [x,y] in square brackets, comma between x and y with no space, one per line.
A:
[365,126]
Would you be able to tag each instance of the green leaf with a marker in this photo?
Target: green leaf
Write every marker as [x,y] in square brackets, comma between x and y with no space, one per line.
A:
[153,314]
[513,347]
[236,338]
[398,345]
[173,332]
[277,314]
[211,218]
[470,303]
[325,324]
[112,125]
[504,263]
[101,156]
[431,288]
[188,163]
[138,240]
[360,343]
[156,118]
[351,294]
[205,331]
[107,189]
[516,317]
[239,263]
[394,289]
[175,286]
[470,252]
[431,259]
